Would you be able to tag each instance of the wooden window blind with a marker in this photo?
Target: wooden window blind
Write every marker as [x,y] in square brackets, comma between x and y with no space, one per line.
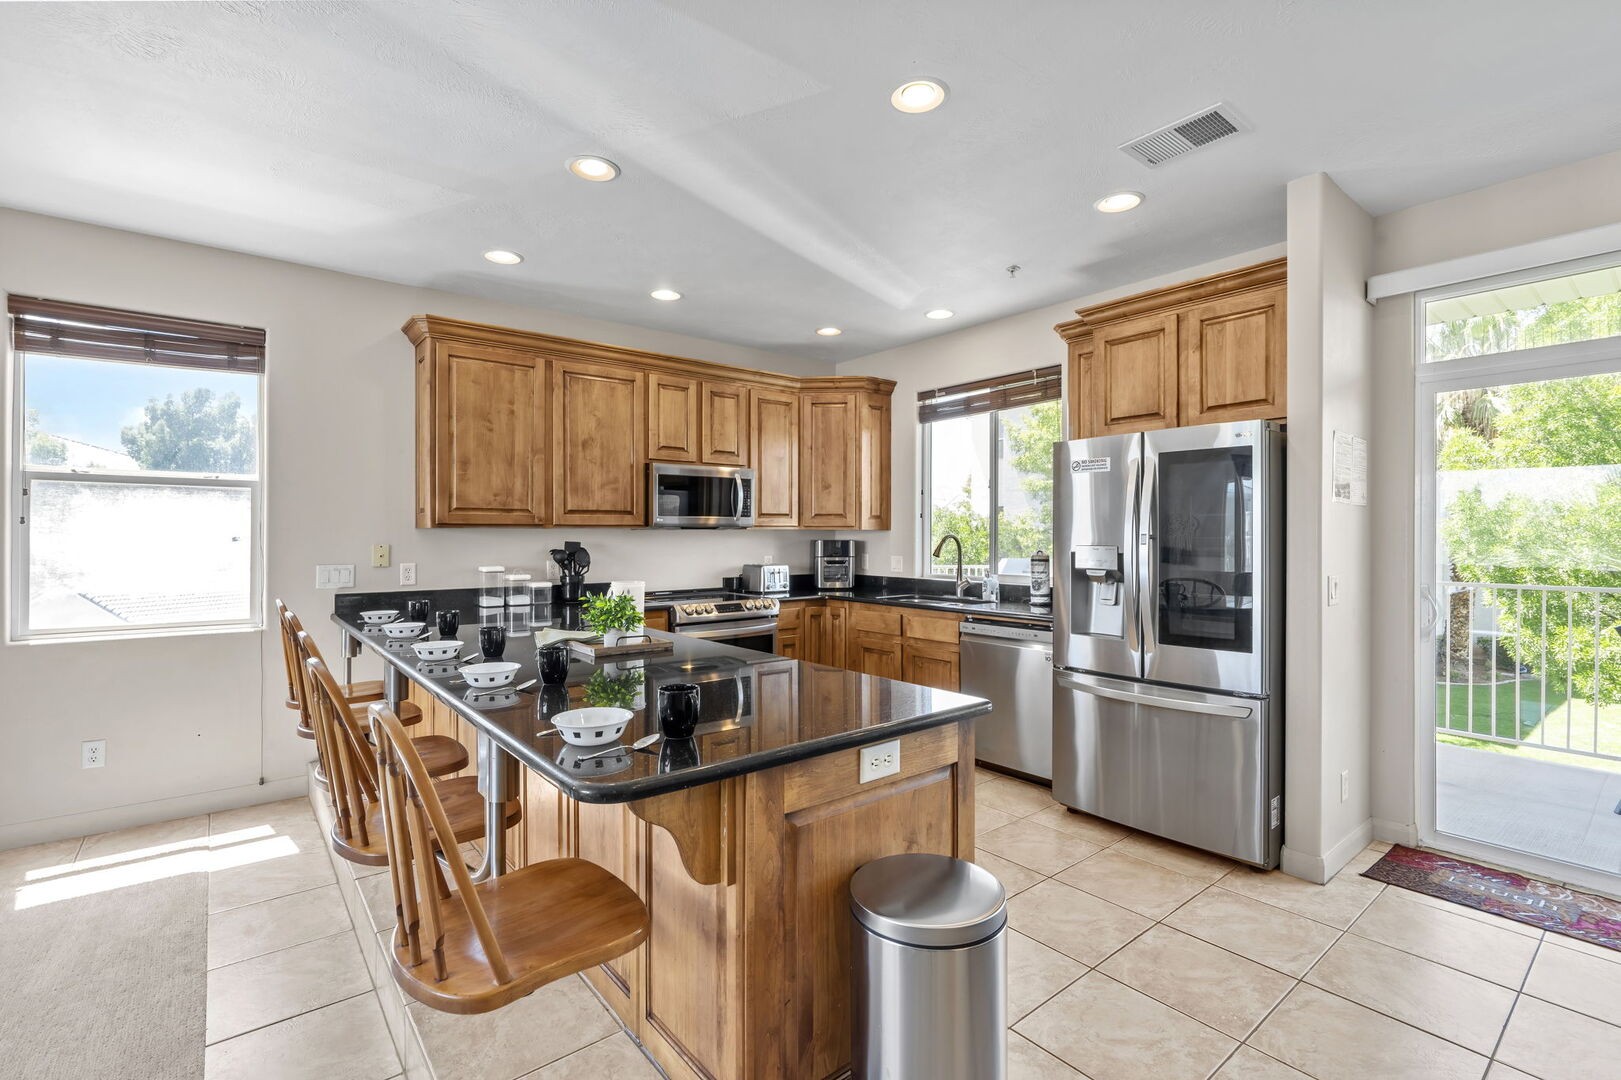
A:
[59,328]
[988,395]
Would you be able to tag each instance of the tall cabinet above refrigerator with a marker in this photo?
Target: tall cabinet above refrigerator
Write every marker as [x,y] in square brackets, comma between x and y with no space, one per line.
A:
[1167,644]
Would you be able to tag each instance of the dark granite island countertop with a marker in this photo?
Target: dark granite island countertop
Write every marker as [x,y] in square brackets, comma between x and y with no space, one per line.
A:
[758,711]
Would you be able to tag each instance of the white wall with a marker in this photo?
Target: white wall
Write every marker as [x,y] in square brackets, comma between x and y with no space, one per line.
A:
[1329,668]
[1013,344]
[193,723]
[1572,198]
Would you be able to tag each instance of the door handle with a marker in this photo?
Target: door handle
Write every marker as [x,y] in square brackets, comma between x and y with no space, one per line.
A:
[1433,621]
[1153,700]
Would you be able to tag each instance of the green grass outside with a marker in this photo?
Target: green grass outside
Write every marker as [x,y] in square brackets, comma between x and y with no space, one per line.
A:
[1530,716]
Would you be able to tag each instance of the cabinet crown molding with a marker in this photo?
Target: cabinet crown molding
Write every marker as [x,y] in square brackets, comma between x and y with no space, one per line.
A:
[441,328]
[1227,283]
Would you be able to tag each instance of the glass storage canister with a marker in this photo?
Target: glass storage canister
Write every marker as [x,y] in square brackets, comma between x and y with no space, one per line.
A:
[490,583]
[517,587]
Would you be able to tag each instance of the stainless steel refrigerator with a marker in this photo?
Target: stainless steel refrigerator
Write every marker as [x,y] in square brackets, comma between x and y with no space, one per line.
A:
[1167,643]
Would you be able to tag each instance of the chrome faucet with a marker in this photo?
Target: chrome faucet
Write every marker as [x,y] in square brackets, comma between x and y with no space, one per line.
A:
[963,585]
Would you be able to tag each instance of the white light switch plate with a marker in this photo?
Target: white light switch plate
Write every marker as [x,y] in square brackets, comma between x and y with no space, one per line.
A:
[335,576]
[897,563]
[880,761]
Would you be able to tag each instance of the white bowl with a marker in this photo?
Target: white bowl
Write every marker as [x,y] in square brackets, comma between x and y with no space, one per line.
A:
[591,727]
[489,676]
[405,629]
[378,618]
[436,650]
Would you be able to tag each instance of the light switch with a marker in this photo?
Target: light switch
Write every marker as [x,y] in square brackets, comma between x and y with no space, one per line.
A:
[335,576]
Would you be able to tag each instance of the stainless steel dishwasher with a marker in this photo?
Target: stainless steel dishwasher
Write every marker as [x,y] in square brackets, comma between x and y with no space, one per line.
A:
[1012,666]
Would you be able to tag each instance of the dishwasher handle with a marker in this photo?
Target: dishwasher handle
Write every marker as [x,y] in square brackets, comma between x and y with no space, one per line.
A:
[1135,697]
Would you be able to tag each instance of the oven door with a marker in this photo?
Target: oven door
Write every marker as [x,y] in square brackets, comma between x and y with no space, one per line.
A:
[700,497]
[759,635]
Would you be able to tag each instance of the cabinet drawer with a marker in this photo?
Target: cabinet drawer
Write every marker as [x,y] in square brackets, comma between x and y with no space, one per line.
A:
[790,616]
[879,620]
[932,627]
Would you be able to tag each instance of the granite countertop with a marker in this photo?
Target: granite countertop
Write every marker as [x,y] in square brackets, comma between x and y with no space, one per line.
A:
[757,711]
[1002,609]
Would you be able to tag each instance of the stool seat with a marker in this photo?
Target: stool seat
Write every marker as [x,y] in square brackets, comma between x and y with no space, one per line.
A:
[441,755]
[409,713]
[363,690]
[552,919]
[464,806]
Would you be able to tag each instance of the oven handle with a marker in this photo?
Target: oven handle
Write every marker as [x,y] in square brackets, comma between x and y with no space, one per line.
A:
[728,630]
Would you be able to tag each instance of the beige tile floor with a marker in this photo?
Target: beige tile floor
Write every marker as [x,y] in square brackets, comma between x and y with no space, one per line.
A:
[1129,957]
[1132,958]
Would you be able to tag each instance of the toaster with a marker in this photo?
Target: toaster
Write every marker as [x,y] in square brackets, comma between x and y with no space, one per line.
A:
[765,577]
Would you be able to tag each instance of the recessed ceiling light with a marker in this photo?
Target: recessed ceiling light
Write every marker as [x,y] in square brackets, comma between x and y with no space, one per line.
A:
[503,257]
[593,168]
[918,96]
[830,331]
[939,313]
[665,294]
[1119,202]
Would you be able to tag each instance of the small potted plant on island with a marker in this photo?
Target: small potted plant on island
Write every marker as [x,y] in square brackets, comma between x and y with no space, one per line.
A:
[612,615]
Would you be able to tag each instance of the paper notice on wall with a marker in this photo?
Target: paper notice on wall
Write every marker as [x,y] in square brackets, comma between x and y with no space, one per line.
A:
[1350,479]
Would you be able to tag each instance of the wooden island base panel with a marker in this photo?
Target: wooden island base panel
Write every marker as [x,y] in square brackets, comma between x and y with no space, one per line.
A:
[742,855]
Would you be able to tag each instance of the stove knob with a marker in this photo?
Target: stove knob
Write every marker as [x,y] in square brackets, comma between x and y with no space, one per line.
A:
[709,609]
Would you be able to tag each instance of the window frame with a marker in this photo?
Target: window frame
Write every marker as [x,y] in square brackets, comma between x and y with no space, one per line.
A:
[23,475]
[926,499]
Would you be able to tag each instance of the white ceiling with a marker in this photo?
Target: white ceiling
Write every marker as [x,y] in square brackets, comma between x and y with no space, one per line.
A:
[765,174]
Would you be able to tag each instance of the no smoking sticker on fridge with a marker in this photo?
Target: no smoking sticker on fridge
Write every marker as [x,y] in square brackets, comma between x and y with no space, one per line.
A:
[1094,464]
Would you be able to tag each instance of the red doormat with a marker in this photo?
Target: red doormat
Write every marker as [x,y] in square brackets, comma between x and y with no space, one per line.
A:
[1556,908]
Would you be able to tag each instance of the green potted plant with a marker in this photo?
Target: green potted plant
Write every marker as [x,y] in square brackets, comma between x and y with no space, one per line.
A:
[612,615]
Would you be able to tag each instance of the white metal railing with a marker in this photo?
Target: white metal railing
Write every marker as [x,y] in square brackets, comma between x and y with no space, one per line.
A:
[1531,665]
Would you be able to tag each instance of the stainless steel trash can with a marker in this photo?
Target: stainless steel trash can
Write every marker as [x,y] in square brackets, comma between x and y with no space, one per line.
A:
[929,952]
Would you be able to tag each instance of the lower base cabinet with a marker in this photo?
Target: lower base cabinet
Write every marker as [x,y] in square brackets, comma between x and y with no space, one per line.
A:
[874,639]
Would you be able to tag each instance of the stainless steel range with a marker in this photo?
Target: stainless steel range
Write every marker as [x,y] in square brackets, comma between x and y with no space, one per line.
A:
[749,622]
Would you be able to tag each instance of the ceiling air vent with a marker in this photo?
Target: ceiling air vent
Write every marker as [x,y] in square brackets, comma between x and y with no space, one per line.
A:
[1191,132]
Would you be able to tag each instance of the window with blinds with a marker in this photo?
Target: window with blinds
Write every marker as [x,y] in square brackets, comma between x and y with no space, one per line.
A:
[137,468]
[987,471]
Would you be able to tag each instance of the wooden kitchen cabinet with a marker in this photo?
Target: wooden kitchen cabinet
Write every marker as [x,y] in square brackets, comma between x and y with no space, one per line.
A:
[829,461]
[1202,352]
[598,443]
[481,453]
[833,641]
[790,629]
[931,663]
[1232,361]
[672,417]
[873,653]
[724,424]
[774,429]
[874,461]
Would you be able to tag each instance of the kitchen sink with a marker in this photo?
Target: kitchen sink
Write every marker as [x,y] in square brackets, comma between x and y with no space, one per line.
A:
[918,598]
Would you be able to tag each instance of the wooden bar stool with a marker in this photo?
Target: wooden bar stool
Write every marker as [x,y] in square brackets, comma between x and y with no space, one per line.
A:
[351,769]
[304,648]
[488,944]
[360,691]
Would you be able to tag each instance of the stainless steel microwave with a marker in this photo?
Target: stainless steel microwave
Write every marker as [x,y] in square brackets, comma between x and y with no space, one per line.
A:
[700,496]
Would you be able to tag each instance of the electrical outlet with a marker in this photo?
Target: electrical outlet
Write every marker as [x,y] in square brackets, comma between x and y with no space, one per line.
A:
[770,557]
[880,761]
[379,555]
[897,564]
[1333,590]
[335,576]
[92,753]
[408,573]
[1345,785]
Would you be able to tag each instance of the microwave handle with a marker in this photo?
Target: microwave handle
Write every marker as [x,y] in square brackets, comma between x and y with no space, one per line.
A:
[737,496]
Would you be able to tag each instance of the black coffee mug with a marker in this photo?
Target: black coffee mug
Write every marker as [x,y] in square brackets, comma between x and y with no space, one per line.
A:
[418,610]
[492,641]
[553,661]
[678,710]
[449,622]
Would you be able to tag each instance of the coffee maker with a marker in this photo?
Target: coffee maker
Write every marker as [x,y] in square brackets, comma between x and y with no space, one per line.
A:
[835,564]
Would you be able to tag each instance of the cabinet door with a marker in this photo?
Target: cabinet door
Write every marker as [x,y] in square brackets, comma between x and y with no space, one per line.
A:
[481,436]
[598,443]
[874,461]
[790,643]
[833,648]
[931,663]
[1133,381]
[829,464]
[774,431]
[725,439]
[1234,358]
[672,418]
[875,654]
[815,634]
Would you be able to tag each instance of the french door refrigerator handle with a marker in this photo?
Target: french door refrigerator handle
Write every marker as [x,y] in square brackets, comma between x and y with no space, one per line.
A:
[1147,555]
[1135,698]
[1132,558]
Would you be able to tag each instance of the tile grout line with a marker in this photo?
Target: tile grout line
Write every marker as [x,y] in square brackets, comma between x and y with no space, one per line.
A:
[1518,994]
[368,992]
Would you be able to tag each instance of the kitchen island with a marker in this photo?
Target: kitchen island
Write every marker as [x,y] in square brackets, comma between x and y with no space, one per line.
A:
[741,842]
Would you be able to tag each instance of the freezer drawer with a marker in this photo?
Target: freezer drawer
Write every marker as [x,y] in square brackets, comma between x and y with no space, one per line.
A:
[1201,769]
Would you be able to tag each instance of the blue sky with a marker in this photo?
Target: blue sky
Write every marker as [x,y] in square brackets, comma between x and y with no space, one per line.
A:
[93,400]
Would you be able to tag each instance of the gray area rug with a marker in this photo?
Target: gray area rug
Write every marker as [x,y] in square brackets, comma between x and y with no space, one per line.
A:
[137,952]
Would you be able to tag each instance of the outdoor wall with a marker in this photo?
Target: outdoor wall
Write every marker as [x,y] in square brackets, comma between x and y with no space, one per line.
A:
[1569,199]
[194,722]
[1329,667]
[1016,343]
